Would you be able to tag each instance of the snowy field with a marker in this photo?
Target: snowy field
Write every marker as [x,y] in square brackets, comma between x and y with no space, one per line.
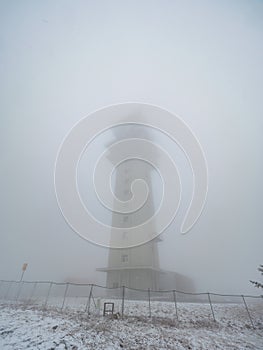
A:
[31,326]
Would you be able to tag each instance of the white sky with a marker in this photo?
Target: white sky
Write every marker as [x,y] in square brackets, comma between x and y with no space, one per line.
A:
[61,60]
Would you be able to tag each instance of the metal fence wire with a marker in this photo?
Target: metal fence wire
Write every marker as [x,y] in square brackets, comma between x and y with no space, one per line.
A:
[171,305]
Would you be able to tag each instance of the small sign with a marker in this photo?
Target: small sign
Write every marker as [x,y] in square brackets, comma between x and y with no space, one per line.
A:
[24,267]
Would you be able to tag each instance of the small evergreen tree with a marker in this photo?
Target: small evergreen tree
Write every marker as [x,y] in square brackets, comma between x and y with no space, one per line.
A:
[258,284]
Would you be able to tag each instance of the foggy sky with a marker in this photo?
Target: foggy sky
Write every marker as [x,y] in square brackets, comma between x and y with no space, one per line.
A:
[61,60]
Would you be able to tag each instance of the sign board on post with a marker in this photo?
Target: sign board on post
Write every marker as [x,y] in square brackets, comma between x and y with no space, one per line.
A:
[24,267]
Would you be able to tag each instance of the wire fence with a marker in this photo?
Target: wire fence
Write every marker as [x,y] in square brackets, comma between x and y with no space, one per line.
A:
[170,305]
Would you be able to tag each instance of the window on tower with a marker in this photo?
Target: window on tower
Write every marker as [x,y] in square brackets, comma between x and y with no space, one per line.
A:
[124,258]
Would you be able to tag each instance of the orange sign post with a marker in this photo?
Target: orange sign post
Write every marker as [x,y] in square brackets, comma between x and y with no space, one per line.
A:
[24,267]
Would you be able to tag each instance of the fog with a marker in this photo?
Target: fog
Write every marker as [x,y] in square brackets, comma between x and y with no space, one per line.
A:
[62,60]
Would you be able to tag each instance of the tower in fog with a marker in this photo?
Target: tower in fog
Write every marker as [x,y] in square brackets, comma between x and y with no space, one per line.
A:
[136,267]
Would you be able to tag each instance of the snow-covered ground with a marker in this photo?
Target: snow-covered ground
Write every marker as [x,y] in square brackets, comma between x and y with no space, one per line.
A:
[32,327]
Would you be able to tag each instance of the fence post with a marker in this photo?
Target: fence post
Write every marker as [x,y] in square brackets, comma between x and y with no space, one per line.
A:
[211,306]
[88,304]
[32,293]
[1,286]
[21,283]
[8,288]
[3,289]
[175,304]
[122,304]
[149,299]
[64,298]
[248,311]
[49,289]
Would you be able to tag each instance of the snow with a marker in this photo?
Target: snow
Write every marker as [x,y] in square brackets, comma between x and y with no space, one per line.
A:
[34,327]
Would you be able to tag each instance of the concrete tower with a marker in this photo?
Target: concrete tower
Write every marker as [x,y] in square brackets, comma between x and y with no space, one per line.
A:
[136,267]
